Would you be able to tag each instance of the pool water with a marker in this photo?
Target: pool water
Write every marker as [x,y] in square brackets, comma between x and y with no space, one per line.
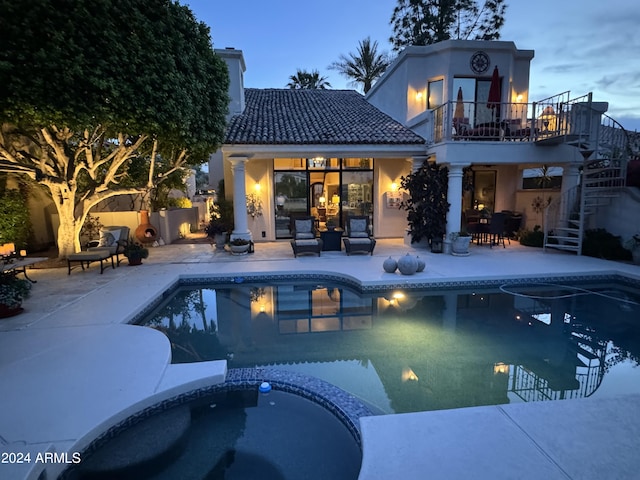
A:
[404,351]
[233,435]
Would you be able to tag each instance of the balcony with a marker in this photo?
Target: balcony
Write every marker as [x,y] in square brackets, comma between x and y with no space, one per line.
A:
[549,121]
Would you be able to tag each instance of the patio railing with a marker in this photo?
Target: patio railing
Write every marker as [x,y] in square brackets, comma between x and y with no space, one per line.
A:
[555,116]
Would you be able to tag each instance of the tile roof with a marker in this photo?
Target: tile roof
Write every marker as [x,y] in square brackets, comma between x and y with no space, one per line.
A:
[305,117]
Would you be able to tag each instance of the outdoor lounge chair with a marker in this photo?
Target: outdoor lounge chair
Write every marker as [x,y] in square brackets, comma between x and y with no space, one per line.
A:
[304,236]
[358,239]
[112,239]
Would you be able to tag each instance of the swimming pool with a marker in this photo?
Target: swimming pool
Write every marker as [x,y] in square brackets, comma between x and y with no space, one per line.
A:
[404,350]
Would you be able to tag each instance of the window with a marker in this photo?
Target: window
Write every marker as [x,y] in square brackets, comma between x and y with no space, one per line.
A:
[543,177]
[436,94]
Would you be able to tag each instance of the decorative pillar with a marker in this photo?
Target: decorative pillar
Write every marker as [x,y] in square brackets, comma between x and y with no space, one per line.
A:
[570,176]
[570,180]
[454,197]
[241,229]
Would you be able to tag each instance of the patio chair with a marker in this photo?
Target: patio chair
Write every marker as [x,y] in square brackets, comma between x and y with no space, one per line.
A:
[112,239]
[496,229]
[304,236]
[358,239]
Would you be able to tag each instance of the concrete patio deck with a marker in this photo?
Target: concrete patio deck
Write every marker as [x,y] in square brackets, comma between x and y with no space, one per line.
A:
[70,367]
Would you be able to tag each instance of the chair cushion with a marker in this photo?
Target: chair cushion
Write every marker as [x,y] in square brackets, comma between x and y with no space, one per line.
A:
[359,241]
[97,254]
[359,235]
[303,226]
[357,225]
[304,243]
[304,235]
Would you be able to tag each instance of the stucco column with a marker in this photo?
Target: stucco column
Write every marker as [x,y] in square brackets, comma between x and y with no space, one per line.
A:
[570,180]
[454,197]
[570,176]
[240,230]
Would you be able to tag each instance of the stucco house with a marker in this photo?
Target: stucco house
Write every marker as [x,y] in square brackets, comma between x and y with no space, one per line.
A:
[335,153]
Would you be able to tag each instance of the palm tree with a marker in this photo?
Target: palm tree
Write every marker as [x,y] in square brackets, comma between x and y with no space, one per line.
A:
[363,67]
[304,79]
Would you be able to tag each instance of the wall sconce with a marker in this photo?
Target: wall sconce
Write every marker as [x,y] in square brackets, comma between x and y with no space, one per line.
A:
[335,199]
[322,201]
[419,96]
[519,98]
[256,187]
[394,187]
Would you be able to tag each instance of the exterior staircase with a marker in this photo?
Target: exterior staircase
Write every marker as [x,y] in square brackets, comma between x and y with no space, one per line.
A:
[605,148]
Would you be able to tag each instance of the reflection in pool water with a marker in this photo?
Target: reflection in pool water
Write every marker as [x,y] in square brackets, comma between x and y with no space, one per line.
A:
[403,351]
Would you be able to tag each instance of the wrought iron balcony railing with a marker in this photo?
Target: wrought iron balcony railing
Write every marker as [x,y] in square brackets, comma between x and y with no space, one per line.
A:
[555,116]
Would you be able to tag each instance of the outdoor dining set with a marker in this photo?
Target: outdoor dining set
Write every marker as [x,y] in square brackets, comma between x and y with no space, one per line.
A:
[492,229]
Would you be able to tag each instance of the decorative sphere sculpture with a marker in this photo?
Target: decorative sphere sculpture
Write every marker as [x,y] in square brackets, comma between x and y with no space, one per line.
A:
[421,264]
[389,265]
[408,265]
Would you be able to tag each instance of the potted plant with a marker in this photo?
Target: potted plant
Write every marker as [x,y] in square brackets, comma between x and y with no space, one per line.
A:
[331,223]
[460,243]
[427,204]
[239,246]
[633,245]
[12,291]
[221,219]
[135,252]
[218,229]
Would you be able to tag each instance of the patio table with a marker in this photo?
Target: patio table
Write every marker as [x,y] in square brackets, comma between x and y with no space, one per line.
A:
[19,265]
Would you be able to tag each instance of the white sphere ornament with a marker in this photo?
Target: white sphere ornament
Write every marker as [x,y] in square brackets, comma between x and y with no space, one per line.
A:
[408,265]
[389,265]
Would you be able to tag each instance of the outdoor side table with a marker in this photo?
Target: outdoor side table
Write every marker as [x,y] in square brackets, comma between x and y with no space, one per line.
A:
[20,265]
[331,239]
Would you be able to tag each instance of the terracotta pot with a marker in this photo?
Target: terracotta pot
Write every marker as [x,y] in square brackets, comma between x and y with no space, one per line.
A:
[6,311]
[146,233]
[135,261]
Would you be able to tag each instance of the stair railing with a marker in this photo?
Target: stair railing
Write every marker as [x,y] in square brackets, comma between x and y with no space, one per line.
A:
[606,149]
[560,211]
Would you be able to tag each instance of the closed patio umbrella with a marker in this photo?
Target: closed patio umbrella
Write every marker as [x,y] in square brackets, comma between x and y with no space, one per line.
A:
[493,101]
[459,111]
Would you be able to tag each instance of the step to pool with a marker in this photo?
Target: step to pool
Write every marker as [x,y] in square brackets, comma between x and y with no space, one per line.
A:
[154,441]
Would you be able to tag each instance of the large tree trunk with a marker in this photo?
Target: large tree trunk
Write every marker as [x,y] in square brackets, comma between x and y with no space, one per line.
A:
[68,239]
[69,229]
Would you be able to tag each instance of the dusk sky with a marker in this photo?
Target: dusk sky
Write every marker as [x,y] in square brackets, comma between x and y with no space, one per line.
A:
[580,45]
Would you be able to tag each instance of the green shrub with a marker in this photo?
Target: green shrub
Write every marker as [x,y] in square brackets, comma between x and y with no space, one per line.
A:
[15,223]
[602,244]
[533,238]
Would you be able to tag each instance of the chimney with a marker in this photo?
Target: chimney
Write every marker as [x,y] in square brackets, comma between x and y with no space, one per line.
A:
[235,63]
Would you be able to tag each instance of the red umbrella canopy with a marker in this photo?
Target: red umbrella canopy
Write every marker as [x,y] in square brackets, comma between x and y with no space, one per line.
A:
[494,90]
